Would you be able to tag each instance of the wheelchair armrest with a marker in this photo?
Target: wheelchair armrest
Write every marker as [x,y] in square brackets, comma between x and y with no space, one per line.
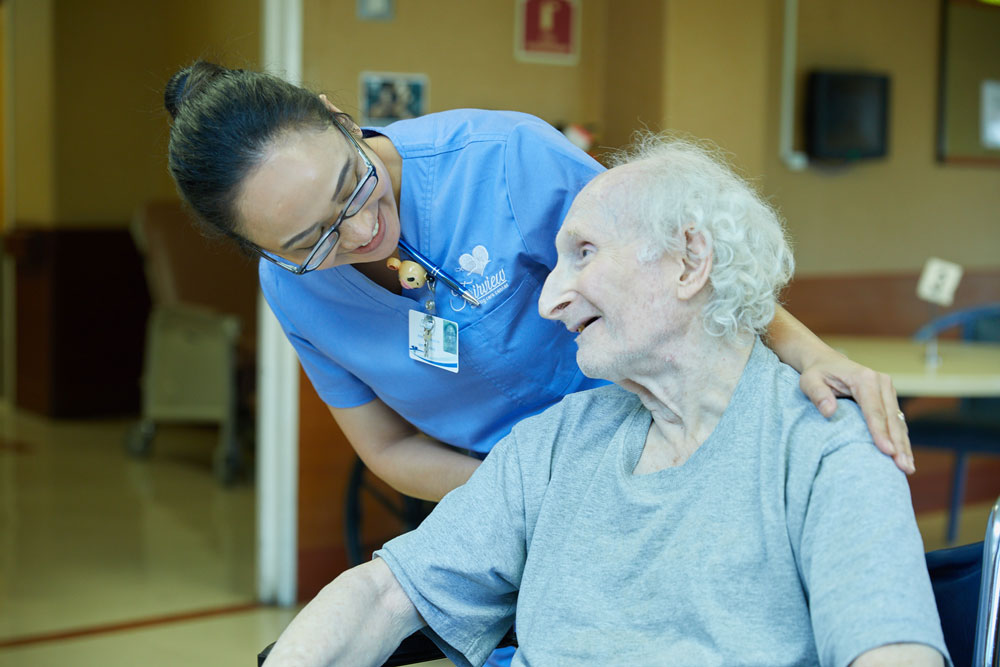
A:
[262,656]
[418,647]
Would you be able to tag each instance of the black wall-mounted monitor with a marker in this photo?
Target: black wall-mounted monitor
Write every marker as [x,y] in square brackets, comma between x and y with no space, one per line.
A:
[847,115]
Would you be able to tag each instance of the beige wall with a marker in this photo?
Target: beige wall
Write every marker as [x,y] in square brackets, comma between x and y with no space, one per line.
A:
[90,130]
[972,48]
[716,75]
[4,113]
[465,48]
[710,68]
[885,215]
[721,80]
[32,90]
[634,70]
[89,121]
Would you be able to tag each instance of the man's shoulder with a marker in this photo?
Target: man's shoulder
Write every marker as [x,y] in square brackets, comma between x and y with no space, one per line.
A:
[808,427]
[804,427]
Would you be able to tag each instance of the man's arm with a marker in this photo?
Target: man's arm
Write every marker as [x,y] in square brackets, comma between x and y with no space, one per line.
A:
[900,655]
[357,619]
[860,553]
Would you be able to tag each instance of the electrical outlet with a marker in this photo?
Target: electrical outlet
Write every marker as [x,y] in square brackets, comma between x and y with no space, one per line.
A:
[938,281]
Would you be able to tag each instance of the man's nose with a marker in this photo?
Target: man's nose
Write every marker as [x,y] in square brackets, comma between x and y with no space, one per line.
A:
[555,296]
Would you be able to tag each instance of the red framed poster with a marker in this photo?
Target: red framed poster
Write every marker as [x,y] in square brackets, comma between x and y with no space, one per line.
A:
[547,31]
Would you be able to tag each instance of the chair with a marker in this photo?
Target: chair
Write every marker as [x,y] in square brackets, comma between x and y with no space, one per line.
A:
[413,650]
[956,576]
[200,333]
[362,492]
[988,624]
[974,426]
[966,582]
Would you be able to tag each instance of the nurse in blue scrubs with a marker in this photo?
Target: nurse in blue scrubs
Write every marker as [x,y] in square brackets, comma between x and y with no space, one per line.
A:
[415,376]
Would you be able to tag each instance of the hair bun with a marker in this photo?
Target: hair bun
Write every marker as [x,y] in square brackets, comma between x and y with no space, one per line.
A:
[187,82]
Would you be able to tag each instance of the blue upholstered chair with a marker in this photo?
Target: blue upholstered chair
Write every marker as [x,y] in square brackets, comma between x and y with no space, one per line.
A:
[967,589]
[974,426]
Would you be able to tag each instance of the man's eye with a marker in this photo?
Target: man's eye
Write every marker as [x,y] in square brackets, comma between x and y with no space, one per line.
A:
[585,250]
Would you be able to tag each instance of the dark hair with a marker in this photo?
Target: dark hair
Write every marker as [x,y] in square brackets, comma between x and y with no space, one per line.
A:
[223,121]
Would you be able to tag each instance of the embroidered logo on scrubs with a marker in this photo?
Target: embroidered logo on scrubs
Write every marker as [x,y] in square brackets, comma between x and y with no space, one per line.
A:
[485,288]
[476,261]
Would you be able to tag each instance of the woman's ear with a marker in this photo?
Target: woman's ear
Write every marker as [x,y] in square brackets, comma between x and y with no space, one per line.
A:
[697,260]
[350,124]
[328,104]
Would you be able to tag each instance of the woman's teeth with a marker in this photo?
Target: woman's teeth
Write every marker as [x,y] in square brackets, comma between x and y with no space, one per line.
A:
[374,232]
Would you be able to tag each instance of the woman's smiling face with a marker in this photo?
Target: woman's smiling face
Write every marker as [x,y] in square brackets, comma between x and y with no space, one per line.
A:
[302,186]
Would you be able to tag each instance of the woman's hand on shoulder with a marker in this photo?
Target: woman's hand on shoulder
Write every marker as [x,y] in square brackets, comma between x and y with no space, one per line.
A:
[834,375]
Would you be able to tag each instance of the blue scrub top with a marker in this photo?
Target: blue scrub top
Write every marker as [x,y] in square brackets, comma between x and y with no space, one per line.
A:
[483,194]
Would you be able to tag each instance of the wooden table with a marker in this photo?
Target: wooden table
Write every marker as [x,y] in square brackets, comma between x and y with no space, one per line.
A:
[966,369]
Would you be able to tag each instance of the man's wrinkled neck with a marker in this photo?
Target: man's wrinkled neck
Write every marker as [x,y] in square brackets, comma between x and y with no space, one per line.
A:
[686,391]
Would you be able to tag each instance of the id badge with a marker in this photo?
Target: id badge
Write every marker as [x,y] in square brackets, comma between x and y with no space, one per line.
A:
[434,340]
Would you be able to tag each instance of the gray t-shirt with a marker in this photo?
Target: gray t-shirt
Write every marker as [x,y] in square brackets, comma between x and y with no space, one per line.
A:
[785,539]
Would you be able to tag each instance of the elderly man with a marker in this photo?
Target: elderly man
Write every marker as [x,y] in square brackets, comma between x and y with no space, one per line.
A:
[698,511]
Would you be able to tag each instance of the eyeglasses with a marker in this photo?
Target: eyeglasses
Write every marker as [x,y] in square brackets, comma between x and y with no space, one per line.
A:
[329,239]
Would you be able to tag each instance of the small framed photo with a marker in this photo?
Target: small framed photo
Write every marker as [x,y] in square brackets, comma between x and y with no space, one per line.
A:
[390,96]
[990,114]
[376,10]
[547,31]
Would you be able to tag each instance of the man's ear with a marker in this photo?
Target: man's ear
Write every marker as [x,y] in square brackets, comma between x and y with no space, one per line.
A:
[697,260]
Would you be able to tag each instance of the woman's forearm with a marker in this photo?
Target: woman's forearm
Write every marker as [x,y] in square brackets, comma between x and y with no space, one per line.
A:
[397,453]
[424,468]
[793,342]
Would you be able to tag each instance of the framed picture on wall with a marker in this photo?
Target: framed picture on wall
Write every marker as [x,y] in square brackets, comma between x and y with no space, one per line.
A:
[990,114]
[547,31]
[390,96]
[376,10]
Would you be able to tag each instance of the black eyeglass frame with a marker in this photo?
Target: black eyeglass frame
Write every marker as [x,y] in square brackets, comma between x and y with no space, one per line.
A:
[313,261]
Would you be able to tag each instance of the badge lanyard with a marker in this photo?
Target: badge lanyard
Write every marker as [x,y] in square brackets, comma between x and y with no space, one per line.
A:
[432,340]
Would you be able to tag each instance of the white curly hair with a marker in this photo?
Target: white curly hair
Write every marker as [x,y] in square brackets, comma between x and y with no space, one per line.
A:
[685,184]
